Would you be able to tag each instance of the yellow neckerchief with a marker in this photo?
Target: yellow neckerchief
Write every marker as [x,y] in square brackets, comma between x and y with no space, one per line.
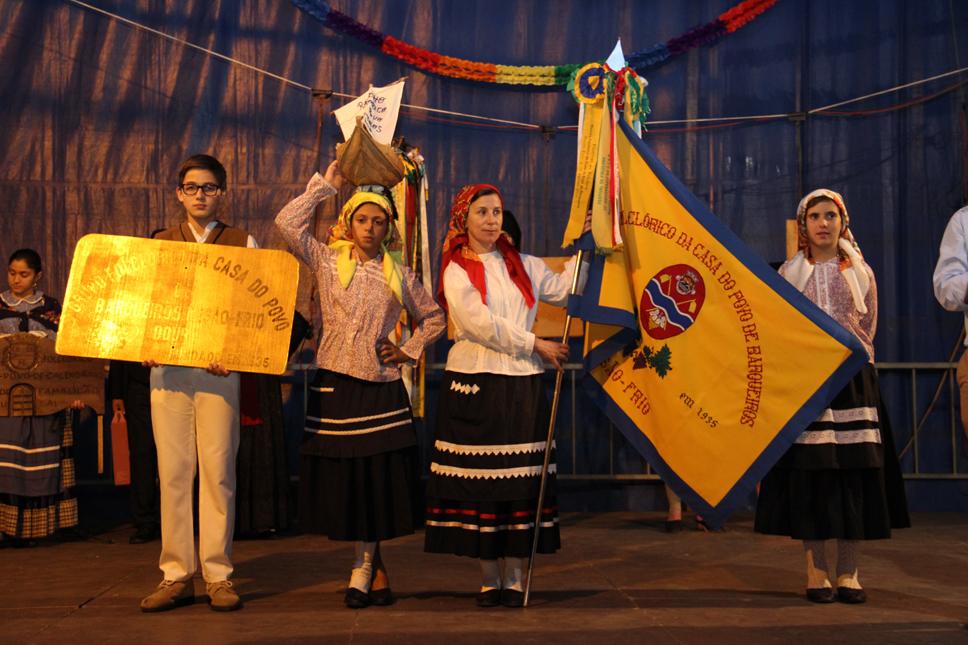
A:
[346,260]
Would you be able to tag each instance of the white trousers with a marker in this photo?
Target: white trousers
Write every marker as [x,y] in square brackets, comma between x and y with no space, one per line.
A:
[195,416]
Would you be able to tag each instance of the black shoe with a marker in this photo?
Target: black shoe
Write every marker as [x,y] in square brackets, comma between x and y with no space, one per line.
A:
[143,535]
[706,527]
[356,599]
[512,598]
[382,597]
[673,526]
[489,598]
[822,595]
[851,596]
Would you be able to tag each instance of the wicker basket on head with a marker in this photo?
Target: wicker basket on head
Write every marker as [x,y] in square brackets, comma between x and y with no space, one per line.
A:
[364,161]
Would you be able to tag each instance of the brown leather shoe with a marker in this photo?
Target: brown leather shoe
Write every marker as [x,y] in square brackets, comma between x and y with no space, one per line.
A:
[169,595]
[222,597]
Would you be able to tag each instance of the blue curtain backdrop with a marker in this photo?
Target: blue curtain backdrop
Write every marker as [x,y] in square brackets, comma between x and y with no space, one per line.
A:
[96,116]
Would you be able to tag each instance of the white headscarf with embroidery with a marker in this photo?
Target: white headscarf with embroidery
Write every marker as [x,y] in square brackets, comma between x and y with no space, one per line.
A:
[799,269]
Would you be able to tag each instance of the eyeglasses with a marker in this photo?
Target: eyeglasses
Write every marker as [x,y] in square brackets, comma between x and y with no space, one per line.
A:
[208,189]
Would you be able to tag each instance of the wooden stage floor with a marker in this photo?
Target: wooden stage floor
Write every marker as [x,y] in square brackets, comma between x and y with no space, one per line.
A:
[618,579]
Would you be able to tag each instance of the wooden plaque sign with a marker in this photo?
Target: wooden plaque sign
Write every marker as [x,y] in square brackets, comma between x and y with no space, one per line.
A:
[34,379]
[179,303]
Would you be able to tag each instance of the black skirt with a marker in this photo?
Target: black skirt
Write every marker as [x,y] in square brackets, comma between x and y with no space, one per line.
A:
[361,498]
[490,530]
[350,417]
[359,477]
[850,491]
[486,469]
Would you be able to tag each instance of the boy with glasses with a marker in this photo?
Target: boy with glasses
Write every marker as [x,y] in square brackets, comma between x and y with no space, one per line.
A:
[195,414]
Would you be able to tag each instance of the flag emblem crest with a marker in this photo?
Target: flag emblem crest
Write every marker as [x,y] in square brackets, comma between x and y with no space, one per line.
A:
[671,301]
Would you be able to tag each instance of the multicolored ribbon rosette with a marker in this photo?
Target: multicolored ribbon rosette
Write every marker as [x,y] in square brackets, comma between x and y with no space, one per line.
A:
[601,93]
[589,83]
[630,96]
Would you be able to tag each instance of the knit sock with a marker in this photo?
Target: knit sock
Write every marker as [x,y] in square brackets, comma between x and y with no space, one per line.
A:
[816,564]
[363,566]
[490,574]
[675,506]
[380,579]
[513,573]
[847,564]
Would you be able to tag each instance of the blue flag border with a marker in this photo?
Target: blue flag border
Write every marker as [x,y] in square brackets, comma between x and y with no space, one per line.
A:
[586,307]
[808,412]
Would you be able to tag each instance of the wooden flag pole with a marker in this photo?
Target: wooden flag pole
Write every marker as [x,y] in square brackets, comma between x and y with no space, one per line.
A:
[551,434]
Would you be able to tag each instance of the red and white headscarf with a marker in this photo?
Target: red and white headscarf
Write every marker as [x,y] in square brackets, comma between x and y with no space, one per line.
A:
[800,267]
[457,250]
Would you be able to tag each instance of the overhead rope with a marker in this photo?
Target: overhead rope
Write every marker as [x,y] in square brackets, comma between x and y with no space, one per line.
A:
[476,120]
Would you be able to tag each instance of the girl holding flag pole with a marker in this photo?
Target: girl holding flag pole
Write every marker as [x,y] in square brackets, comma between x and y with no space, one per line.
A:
[493,413]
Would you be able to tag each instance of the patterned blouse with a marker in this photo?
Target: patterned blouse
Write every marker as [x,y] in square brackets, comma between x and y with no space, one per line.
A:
[355,319]
[827,289]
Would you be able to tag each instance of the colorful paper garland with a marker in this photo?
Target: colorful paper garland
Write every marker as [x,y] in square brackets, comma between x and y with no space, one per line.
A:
[536,75]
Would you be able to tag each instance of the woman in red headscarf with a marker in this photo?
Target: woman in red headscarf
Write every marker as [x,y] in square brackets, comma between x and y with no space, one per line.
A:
[840,480]
[492,418]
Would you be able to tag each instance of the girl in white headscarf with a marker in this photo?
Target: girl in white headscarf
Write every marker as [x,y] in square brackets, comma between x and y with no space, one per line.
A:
[840,480]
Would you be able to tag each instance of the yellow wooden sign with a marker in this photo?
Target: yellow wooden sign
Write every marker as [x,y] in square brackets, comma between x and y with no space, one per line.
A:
[179,303]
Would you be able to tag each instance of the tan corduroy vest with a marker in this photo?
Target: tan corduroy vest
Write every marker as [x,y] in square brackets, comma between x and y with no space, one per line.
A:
[221,234]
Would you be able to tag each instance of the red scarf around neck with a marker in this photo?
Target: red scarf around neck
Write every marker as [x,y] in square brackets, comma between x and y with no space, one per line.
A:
[457,250]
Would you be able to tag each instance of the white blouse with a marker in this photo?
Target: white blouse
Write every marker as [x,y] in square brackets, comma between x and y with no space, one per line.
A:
[496,337]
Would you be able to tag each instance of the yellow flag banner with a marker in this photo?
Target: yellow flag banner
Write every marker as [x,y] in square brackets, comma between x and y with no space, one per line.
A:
[706,359]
